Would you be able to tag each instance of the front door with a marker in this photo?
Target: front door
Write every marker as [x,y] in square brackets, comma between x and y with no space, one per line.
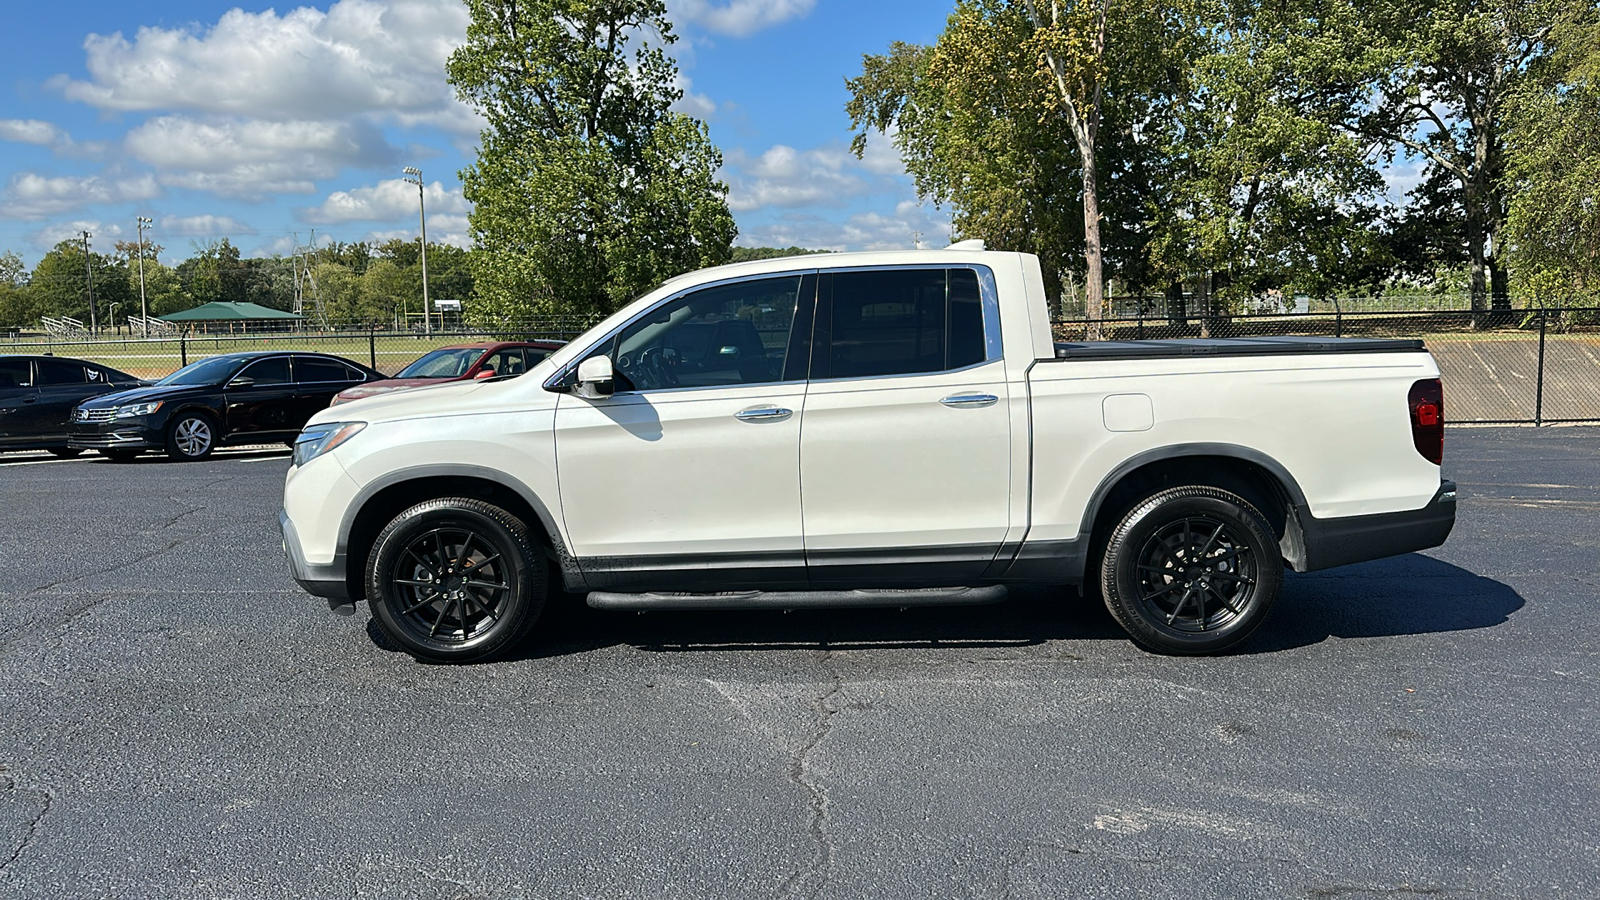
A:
[261,401]
[905,461]
[688,476]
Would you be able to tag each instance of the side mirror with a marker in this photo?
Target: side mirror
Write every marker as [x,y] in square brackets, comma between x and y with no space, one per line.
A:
[482,374]
[595,379]
[243,381]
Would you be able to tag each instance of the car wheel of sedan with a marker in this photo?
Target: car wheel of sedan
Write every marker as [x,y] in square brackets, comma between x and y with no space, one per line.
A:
[1191,570]
[455,580]
[66,452]
[190,436]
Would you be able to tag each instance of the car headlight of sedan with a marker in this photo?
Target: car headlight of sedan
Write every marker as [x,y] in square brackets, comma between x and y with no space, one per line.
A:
[316,440]
[137,409]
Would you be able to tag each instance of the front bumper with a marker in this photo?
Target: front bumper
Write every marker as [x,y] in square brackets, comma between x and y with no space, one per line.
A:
[129,435]
[1311,543]
[322,581]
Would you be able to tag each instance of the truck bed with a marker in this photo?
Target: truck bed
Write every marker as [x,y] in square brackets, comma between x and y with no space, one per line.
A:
[1174,348]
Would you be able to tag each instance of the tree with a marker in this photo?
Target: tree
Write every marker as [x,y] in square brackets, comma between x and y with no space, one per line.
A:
[587,189]
[59,285]
[1553,166]
[1431,80]
[17,305]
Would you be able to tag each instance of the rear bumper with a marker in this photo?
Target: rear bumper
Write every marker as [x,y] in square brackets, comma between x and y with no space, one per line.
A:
[321,581]
[1310,543]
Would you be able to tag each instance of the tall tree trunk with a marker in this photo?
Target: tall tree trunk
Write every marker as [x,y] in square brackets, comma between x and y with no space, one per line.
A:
[1499,286]
[1177,315]
[1095,286]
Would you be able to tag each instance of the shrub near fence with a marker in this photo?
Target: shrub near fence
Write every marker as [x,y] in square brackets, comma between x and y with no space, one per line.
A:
[1516,366]
[1504,366]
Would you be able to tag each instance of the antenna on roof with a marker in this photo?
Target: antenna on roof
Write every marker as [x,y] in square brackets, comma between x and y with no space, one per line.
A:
[974,244]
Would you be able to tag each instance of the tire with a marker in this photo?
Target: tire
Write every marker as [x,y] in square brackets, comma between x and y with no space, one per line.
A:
[191,436]
[65,452]
[1191,571]
[119,456]
[437,543]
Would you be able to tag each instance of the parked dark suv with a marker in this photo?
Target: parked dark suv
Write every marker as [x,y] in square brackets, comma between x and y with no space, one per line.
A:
[238,398]
[37,394]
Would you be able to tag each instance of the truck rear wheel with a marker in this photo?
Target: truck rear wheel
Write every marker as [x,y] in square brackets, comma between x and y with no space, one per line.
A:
[455,580]
[1191,570]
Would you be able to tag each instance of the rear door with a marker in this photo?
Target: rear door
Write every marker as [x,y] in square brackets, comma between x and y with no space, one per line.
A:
[18,400]
[63,384]
[905,458]
[317,380]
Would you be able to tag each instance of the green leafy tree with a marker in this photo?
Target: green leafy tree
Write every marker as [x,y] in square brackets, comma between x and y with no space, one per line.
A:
[1432,81]
[60,285]
[1553,167]
[17,306]
[587,190]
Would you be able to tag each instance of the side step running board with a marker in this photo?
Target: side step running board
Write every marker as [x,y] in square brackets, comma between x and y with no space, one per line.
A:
[946,596]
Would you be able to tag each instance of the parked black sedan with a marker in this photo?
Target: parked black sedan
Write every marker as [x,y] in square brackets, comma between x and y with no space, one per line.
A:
[238,398]
[37,394]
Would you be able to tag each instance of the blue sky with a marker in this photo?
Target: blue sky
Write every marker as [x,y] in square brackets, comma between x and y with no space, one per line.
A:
[259,123]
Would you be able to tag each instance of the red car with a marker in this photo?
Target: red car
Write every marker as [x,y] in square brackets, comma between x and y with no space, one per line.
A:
[463,362]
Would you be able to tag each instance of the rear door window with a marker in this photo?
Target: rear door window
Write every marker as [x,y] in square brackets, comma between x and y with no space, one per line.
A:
[14,373]
[311,370]
[55,371]
[900,322]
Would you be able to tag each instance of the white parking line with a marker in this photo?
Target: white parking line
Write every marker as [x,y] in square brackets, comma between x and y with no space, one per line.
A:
[41,462]
[276,457]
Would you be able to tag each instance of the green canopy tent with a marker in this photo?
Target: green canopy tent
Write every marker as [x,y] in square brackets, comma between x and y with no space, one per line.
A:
[240,317]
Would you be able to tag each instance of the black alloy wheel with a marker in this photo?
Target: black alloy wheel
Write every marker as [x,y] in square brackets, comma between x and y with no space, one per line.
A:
[190,436]
[66,452]
[455,580]
[1192,570]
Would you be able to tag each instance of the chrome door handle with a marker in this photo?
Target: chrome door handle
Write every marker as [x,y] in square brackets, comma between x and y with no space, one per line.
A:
[763,414]
[970,401]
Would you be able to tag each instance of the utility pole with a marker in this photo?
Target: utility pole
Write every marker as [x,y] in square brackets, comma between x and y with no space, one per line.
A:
[88,269]
[144,309]
[414,176]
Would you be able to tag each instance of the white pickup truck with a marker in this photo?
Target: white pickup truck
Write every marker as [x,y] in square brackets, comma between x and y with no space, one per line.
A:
[869,429]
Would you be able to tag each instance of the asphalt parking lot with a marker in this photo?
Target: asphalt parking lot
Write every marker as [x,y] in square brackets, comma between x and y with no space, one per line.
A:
[178,720]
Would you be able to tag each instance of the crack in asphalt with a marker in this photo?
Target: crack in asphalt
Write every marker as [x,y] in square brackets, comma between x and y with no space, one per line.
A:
[809,882]
[33,824]
[107,570]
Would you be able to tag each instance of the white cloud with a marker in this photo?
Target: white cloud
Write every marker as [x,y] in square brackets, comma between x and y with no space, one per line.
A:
[786,177]
[32,131]
[739,18]
[359,57]
[202,226]
[102,236]
[691,104]
[254,158]
[32,196]
[450,230]
[912,225]
[386,201]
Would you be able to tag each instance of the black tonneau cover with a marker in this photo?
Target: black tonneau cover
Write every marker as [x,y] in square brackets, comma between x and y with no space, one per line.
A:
[1252,346]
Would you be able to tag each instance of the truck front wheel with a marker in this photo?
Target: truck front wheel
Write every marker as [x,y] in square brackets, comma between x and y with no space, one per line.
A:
[1191,570]
[455,580]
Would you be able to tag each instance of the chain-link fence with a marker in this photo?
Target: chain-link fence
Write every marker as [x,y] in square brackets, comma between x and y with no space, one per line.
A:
[1535,366]
[1500,366]
[386,351]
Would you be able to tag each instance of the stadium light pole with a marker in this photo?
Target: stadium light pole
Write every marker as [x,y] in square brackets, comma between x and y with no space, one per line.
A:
[413,175]
[144,310]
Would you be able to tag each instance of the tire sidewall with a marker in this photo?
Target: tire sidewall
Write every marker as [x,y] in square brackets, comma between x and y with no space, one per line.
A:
[172,436]
[512,541]
[1120,581]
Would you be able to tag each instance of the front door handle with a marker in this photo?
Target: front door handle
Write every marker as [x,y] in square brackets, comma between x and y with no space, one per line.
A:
[970,401]
[763,414]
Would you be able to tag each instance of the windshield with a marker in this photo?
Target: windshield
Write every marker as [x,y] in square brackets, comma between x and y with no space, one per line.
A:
[207,371]
[442,364]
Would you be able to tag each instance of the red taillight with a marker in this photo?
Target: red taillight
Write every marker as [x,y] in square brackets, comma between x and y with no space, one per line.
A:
[1427,419]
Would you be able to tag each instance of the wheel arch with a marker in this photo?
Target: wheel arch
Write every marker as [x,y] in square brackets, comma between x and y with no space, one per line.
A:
[382,499]
[1253,475]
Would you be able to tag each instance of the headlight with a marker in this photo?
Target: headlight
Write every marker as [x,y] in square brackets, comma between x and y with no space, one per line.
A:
[137,409]
[316,440]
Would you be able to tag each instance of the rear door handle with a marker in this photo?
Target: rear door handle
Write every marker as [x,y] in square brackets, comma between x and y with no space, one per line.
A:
[970,401]
[763,414]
